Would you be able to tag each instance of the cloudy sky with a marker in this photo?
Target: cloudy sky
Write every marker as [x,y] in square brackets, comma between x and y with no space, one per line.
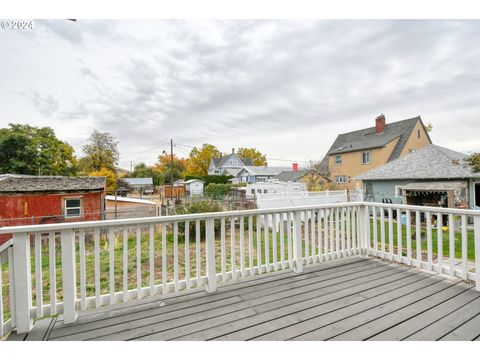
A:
[285,87]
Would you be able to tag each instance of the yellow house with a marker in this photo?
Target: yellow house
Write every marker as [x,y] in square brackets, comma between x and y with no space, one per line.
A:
[358,151]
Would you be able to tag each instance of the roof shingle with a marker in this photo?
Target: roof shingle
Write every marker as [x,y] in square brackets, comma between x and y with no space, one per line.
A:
[30,183]
[429,162]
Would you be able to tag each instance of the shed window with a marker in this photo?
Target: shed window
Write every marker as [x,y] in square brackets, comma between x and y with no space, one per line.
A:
[73,208]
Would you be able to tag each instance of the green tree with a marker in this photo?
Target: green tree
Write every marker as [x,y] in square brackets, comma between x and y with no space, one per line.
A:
[200,159]
[29,150]
[474,162]
[258,159]
[143,171]
[101,152]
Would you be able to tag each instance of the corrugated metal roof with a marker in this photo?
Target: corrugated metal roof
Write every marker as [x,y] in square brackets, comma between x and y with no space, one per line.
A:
[138,181]
[429,162]
[30,183]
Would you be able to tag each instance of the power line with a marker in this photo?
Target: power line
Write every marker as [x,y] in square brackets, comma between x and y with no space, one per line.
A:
[143,151]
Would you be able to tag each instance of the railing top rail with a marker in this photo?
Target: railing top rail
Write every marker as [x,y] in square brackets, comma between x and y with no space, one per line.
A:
[425,208]
[216,215]
[164,219]
[5,246]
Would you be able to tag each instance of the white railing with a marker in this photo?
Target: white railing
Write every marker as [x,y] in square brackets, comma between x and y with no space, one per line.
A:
[7,320]
[64,268]
[307,198]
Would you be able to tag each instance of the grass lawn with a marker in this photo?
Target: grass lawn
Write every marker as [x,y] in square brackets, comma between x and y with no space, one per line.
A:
[145,256]
[423,231]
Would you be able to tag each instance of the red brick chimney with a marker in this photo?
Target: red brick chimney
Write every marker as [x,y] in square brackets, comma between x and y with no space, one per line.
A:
[380,124]
[295,166]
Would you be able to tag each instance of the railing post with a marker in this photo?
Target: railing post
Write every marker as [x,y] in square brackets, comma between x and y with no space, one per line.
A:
[22,282]
[364,223]
[210,251]
[476,236]
[69,275]
[297,242]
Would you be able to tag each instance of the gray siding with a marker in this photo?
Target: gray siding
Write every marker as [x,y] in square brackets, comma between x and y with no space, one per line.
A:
[385,189]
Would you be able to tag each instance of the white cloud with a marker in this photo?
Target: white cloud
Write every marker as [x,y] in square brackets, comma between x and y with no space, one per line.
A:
[285,87]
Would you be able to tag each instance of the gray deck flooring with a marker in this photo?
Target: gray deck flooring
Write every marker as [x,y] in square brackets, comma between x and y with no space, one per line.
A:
[348,299]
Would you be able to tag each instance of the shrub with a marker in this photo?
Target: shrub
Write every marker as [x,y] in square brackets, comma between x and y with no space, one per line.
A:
[198,207]
[217,191]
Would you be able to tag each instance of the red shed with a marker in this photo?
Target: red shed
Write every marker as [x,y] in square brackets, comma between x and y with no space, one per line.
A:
[27,200]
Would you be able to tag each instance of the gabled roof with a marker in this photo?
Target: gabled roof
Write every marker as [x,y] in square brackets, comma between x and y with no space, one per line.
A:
[138,181]
[429,162]
[364,139]
[219,162]
[290,175]
[29,183]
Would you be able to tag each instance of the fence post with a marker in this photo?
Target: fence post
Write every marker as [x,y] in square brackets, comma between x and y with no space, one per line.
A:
[69,275]
[22,282]
[364,223]
[476,236]
[210,251]
[297,242]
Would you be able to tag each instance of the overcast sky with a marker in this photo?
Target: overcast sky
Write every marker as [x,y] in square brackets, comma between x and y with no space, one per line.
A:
[285,87]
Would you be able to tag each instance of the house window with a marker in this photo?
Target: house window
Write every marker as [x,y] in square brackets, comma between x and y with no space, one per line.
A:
[338,160]
[259,191]
[366,157]
[341,179]
[418,133]
[264,191]
[73,208]
[253,191]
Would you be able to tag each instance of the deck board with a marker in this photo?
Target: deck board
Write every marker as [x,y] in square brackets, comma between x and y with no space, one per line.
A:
[347,299]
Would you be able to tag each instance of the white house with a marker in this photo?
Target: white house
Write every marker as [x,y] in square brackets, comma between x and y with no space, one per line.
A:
[228,165]
[274,187]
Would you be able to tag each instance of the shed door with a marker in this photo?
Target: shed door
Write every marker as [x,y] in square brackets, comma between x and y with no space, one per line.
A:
[477,195]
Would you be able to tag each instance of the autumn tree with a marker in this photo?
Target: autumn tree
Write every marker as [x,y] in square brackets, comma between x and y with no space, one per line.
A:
[101,152]
[200,159]
[29,150]
[110,179]
[258,159]
[474,162]
[165,168]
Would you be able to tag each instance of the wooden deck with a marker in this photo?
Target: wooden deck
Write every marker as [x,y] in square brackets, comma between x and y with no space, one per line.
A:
[349,299]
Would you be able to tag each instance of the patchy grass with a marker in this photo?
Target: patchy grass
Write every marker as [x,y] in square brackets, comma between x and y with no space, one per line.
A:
[183,249]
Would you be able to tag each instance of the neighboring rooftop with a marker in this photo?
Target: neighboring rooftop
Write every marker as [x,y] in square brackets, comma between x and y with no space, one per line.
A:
[138,181]
[429,162]
[264,170]
[30,183]
[220,162]
[124,199]
[291,176]
[369,138]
